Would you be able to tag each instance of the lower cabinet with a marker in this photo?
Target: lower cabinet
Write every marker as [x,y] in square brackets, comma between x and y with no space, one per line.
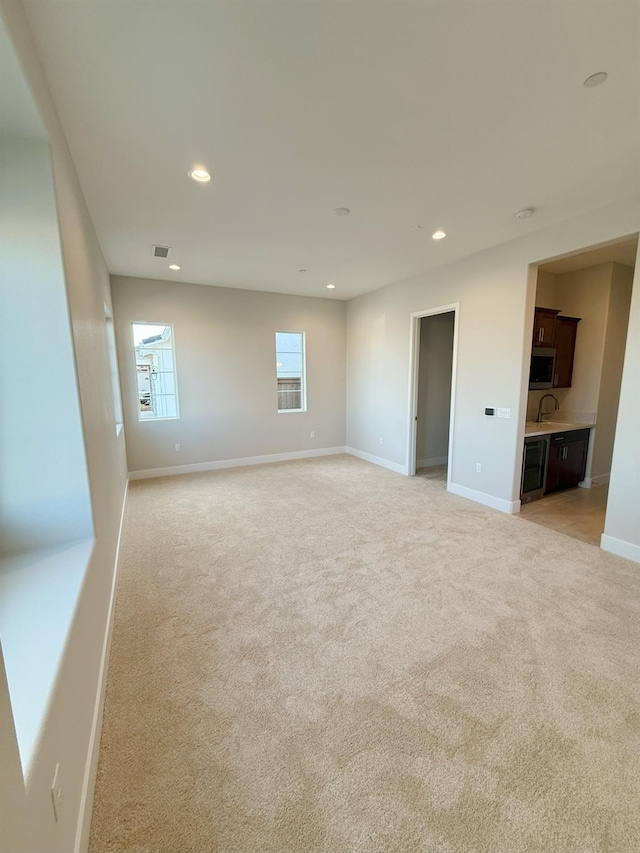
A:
[567,460]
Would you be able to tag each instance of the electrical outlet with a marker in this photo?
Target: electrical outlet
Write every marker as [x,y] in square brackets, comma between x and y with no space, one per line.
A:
[381,442]
[504,413]
[56,794]
[312,433]
[177,446]
[478,467]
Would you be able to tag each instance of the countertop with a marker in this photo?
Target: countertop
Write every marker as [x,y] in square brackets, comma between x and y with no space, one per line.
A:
[549,427]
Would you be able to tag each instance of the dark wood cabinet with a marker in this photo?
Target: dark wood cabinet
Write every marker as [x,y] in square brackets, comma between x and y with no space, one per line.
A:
[567,461]
[566,333]
[544,327]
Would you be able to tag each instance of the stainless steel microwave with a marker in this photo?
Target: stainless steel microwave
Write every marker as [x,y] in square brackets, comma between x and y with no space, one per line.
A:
[543,363]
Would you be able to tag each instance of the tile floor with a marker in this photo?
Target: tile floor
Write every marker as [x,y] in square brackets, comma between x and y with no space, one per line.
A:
[576,512]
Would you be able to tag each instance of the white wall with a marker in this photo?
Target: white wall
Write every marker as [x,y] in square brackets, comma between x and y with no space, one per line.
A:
[44,495]
[617,322]
[496,292]
[434,387]
[225,357]
[66,735]
[622,524]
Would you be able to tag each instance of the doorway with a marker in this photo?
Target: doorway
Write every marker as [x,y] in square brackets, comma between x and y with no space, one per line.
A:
[433,351]
[586,298]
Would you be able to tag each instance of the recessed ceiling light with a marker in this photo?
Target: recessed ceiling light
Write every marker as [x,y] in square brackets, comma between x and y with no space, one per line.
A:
[438,235]
[331,287]
[200,175]
[174,266]
[525,213]
[595,79]
[342,211]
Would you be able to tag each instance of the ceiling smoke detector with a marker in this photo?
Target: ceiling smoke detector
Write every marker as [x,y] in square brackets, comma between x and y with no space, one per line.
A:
[342,211]
[160,251]
[595,79]
[525,213]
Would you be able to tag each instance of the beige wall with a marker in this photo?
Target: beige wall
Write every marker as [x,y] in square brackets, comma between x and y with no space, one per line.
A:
[617,323]
[496,293]
[434,388]
[65,737]
[585,294]
[225,355]
[547,291]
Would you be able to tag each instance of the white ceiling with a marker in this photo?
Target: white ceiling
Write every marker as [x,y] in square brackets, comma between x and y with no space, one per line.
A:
[445,115]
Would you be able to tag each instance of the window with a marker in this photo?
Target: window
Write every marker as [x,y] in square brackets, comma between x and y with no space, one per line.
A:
[156,371]
[113,363]
[290,372]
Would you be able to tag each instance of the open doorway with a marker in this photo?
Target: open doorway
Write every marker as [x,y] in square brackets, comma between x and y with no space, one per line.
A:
[578,347]
[432,394]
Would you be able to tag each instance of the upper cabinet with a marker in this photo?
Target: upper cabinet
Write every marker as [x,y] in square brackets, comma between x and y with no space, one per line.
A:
[544,327]
[566,333]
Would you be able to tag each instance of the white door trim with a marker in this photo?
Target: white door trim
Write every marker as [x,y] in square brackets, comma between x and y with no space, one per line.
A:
[414,363]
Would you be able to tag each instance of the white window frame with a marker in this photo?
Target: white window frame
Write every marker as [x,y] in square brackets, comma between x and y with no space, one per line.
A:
[175,417]
[113,362]
[303,377]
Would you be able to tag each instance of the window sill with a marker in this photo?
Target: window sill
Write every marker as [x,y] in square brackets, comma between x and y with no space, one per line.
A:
[39,591]
[290,411]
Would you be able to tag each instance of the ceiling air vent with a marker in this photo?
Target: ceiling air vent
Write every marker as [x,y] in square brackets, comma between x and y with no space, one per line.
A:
[160,251]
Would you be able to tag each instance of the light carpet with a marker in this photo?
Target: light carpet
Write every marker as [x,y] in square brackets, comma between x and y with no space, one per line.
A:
[322,656]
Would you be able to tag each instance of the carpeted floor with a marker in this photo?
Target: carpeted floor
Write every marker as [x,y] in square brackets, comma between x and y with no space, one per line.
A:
[325,657]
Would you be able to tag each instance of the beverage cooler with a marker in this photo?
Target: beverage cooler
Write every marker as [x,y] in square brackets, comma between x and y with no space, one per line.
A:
[534,466]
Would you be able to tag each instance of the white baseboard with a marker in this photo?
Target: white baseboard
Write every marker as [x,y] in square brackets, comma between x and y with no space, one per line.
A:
[233,463]
[483,498]
[598,480]
[618,546]
[377,460]
[432,461]
[88,786]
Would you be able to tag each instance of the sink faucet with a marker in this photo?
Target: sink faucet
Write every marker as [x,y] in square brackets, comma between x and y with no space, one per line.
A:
[541,414]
